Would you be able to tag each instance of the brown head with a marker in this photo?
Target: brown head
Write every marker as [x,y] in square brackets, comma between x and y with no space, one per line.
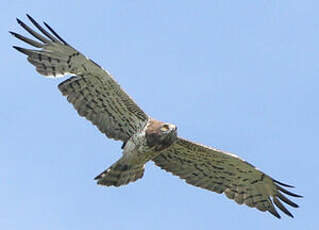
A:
[160,134]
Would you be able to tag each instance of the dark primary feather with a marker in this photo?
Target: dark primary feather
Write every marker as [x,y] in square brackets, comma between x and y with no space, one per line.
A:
[55,34]
[286,185]
[27,40]
[32,32]
[41,29]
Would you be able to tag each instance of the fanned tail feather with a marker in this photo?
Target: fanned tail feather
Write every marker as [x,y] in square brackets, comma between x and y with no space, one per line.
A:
[120,174]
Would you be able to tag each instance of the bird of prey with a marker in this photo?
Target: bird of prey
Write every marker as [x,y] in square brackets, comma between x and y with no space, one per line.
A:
[98,97]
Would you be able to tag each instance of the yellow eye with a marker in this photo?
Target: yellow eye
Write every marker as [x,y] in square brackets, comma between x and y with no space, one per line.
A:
[164,128]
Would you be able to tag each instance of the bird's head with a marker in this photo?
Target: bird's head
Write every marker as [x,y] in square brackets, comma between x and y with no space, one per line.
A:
[160,134]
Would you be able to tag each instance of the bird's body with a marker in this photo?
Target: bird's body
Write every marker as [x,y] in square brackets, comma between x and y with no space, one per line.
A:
[99,98]
[137,151]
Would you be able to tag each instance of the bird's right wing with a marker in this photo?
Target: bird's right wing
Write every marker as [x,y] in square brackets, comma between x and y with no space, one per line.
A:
[226,173]
[92,91]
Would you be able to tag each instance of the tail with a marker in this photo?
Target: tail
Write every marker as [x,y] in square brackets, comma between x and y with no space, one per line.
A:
[120,174]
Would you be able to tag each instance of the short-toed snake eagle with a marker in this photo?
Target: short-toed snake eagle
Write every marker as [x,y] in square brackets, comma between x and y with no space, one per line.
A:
[99,98]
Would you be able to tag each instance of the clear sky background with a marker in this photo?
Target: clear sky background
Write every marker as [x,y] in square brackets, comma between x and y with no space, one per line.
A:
[241,76]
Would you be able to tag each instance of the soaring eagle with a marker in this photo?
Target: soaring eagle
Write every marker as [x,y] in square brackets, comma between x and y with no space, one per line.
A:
[98,97]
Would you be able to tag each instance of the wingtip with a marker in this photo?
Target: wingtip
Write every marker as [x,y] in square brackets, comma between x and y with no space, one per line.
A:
[13,34]
[283,184]
[299,196]
[276,215]
[32,19]
[19,21]
[289,214]
[288,192]
[97,177]
[16,47]
[22,50]
[28,15]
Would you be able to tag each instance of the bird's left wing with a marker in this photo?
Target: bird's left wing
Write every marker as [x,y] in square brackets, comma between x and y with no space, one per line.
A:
[223,172]
[92,91]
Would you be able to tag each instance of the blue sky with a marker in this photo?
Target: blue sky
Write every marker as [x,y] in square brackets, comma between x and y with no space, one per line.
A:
[237,75]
